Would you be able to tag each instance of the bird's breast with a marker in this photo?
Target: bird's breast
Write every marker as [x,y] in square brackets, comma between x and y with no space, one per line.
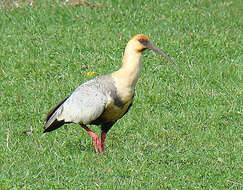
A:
[115,111]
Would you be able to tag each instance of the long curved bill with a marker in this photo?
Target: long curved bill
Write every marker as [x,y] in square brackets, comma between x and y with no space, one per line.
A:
[157,50]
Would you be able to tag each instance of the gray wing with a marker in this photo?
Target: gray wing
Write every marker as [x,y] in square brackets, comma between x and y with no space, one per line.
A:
[84,105]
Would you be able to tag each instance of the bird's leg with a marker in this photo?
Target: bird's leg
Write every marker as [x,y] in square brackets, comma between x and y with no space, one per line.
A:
[94,137]
[103,137]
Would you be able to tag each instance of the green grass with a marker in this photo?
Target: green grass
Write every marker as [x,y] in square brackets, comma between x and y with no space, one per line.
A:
[183,131]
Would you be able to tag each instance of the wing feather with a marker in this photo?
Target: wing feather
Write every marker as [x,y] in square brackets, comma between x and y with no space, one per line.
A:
[55,108]
[84,105]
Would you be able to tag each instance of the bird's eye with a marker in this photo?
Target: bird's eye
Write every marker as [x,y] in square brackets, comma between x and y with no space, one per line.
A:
[143,41]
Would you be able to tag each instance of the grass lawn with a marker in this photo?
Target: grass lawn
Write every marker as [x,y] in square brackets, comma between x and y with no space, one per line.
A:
[184,130]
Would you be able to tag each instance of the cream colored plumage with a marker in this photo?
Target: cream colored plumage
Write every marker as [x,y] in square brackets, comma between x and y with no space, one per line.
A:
[105,99]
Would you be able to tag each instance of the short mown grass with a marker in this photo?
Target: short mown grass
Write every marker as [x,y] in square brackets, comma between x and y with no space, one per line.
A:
[184,130]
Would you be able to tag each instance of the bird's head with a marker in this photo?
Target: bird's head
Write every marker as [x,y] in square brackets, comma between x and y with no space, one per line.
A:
[140,42]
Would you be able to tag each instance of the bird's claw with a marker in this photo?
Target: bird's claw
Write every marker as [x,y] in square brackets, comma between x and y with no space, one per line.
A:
[97,145]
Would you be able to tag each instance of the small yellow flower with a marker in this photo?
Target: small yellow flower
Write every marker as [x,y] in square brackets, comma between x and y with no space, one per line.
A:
[90,74]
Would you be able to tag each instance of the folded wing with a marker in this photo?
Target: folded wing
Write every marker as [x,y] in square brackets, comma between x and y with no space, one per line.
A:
[84,105]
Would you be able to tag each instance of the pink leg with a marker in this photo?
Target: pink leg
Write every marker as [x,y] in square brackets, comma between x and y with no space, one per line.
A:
[94,137]
[103,137]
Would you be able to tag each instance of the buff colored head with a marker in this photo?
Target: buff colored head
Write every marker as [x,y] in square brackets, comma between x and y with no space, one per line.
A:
[140,42]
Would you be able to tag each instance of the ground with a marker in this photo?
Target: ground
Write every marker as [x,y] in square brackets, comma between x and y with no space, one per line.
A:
[183,131]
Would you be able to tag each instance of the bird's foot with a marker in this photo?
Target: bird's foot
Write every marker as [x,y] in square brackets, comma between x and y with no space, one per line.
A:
[95,138]
[103,137]
[97,145]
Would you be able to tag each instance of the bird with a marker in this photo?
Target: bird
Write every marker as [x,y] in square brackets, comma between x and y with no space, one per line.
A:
[103,100]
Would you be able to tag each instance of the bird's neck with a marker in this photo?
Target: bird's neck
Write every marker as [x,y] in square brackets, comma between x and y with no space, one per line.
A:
[131,67]
[126,77]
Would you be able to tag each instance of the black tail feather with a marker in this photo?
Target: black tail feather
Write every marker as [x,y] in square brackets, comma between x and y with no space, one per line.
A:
[55,125]
[55,108]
